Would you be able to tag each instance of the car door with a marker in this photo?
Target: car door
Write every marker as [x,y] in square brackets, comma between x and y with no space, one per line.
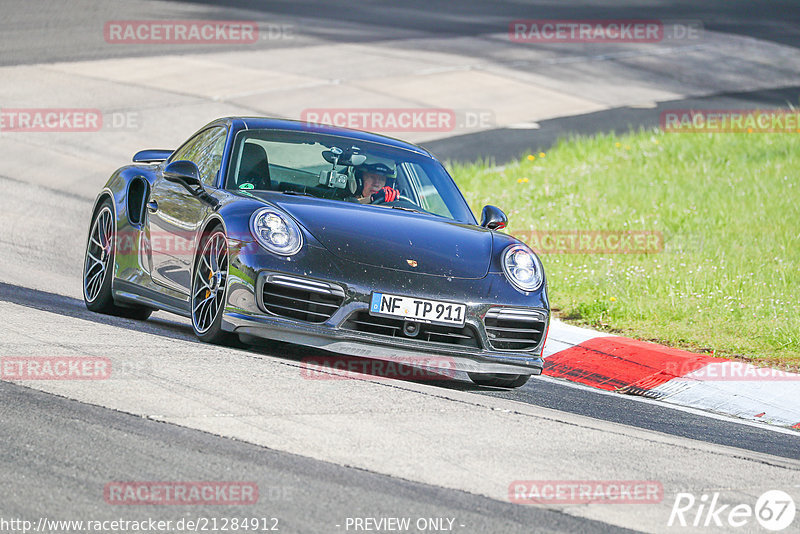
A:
[175,214]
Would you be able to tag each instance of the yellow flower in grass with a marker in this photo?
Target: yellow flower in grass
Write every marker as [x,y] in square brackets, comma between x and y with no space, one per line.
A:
[522,180]
[542,154]
[531,157]
[617,144]
[613,299]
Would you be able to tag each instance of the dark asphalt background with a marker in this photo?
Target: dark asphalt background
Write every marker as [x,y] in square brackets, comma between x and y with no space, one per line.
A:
[58,454]
[43,31]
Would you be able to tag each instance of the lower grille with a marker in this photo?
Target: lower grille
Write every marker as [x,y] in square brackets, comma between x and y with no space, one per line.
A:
[362,321]
[514,328]
[300,298]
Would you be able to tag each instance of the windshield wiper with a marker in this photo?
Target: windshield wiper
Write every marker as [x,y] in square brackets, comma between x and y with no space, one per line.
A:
[407,209]
[301,193]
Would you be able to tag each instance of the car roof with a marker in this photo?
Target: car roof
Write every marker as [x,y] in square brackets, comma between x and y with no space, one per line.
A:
[266,123]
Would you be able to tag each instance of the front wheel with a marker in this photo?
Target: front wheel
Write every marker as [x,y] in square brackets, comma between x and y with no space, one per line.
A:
[498,380]
[209,283]
[97,267]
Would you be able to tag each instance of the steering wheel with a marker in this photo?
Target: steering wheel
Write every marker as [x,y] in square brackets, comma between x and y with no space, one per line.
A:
[382,200]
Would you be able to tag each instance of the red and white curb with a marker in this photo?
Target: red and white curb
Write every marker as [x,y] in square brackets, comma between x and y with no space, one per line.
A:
[624,365]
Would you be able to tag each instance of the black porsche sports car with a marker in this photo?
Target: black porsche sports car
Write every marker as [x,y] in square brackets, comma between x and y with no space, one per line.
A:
[327,237]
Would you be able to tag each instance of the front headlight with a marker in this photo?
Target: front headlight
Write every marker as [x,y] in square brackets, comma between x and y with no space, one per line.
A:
[522,267]
[276,232]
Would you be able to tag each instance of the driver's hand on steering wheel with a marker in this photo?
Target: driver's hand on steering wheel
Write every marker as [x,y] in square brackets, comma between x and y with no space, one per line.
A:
[385,194]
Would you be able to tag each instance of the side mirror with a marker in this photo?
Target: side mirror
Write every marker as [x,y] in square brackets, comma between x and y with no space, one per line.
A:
[183,172]
[187,174]
[493,218]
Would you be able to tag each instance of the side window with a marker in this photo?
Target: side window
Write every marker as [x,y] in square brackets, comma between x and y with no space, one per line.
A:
[425,191]
[205,150]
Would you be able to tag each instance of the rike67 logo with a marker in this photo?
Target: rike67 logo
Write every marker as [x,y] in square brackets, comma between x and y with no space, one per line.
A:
[774,510]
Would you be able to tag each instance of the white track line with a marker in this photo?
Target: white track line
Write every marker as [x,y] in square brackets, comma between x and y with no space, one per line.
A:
[687,409]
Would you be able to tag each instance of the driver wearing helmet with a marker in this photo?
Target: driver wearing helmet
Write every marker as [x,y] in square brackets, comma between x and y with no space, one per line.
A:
[372,185]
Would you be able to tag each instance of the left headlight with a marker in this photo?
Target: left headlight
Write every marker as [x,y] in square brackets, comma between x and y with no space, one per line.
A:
[522,267]
[276,232]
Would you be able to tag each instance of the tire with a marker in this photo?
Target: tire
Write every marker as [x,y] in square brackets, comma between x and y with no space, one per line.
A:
[498,380]
[209,287]
[97,263]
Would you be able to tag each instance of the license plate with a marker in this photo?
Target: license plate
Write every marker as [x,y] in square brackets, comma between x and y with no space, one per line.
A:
[416,309]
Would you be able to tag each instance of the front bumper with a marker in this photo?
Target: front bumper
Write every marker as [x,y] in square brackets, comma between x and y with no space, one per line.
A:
[367,345]
[245,314]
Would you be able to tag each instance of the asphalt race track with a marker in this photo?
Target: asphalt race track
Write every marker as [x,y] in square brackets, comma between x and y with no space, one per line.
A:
[321,451]
[305,495]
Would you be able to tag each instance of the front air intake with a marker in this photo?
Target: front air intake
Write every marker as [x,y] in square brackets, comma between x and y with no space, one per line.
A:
[514,328]
[362,321]
[299,298]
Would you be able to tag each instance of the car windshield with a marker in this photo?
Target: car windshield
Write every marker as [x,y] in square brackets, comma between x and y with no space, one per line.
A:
[345,169]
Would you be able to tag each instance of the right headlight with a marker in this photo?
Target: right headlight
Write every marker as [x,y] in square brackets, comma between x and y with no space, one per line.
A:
[522,267]
[276,232]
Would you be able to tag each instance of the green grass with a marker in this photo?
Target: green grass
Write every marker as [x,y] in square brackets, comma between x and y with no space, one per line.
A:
[728,206]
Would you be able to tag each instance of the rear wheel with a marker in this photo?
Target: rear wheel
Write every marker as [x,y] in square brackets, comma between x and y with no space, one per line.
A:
[498,380]
[97,268]
[209,283]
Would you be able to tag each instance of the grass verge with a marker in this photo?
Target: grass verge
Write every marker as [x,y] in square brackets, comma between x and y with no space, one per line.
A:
[727,281]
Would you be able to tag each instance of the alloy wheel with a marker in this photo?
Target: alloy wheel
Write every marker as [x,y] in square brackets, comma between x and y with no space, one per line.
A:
[210,278]
[98,254]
